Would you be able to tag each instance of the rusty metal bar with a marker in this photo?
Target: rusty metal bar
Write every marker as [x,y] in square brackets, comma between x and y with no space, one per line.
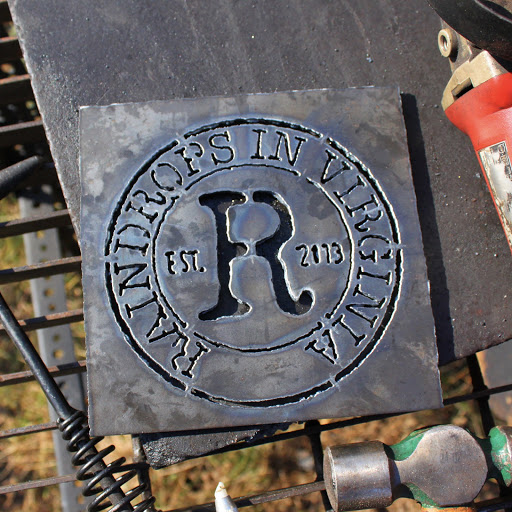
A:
[52,320]
[477,394]
[264,497]
[50,388]
[56,371]
[34,484]
[49,268]
[30,429]
[15,89]
[280,494]
[16,227]
[5,14]
[9,49]
[21,133]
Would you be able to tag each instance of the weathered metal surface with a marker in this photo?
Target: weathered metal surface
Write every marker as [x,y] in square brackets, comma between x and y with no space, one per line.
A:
[252,259]
[441,452]
[167,49]
[358,476]
[164,449]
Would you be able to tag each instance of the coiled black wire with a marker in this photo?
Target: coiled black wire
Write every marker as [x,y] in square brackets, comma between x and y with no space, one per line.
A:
[75,431]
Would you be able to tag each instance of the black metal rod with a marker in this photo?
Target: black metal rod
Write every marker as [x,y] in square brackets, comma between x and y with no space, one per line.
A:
[9,49]
[51,320]
[13,176]
[477,394]
[15,89]
[21,133]
[318,458]
[58,401]
[493,505]
[34,361]
[34,484]
[47,268]
[57,219]
[5,14]
[258,499]
[477,381]
[31,429]
[9,379]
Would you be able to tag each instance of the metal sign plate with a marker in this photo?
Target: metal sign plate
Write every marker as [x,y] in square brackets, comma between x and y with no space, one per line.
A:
[252,259]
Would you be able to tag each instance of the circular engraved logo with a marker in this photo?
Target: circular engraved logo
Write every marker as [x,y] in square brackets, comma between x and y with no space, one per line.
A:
[253,262]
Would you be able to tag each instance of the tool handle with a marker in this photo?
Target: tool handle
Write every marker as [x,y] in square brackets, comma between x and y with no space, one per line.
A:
[485,114]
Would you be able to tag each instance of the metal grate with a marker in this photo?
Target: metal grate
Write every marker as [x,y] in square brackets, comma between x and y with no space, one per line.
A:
[21,137]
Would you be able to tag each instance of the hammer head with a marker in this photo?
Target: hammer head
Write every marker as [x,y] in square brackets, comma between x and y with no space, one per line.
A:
[440,466]
[357,476]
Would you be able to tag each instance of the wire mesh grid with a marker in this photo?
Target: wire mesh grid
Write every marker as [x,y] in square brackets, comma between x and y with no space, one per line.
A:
[22,144]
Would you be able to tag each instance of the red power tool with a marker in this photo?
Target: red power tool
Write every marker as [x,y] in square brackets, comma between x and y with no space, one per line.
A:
[477,39]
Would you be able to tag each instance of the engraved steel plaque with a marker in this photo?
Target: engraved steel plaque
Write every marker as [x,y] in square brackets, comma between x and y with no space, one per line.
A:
[250,260]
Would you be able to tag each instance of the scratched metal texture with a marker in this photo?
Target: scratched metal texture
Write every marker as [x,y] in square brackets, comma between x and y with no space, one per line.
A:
[163,449]
[327,312]
[85,53]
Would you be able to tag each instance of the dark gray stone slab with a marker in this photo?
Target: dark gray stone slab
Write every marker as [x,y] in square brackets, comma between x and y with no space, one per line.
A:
[86,53]
[252,259]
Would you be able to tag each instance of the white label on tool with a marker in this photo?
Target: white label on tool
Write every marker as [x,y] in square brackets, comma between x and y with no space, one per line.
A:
[496,164]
